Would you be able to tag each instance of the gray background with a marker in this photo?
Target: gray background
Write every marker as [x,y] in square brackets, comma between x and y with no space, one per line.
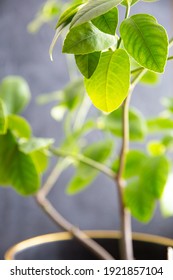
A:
[27,55]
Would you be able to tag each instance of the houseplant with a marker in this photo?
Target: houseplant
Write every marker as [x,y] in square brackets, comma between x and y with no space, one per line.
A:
[150,50]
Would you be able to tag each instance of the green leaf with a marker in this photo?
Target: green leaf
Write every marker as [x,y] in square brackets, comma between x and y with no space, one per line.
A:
[134,163]
[68,14]
[160,124]
[146,41]
[87,63]
[3,118]
[107,22]
[55,38]
[154,175]
[139,202]
[35,144]
[86,38]
[113,123]
[93,9]
[166,199]
[19,126]
[15,93]
[58,112]
[85,174]
[109,85]
[156,148]
[150,78]
[17,169]
[40,159]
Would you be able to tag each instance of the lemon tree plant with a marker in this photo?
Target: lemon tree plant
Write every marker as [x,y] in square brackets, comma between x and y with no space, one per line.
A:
[113,57]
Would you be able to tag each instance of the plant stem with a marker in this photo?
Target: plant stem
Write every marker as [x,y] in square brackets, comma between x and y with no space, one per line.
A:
[94,164]
[170,57]
[126,248]
[171,43]
[77,233]
[126,16]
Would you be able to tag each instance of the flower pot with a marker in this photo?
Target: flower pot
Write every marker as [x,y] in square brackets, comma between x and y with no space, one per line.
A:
[61,246]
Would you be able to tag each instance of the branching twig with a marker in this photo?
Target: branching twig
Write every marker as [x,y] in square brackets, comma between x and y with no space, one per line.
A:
[94,164]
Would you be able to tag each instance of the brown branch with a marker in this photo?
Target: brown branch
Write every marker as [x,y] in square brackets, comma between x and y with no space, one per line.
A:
[59,220]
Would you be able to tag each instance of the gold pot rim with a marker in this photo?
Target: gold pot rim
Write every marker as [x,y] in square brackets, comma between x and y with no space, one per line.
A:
[60,236]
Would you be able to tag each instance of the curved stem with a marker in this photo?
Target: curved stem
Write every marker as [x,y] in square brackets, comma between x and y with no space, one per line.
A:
[77,233]
[94,164]
[126,16]
[171,43]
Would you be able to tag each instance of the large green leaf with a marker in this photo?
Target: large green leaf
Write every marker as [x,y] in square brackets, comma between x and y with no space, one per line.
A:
[15,93]
[19,126]
[35,144]
[85,174]
[93,9]
[160,124]
[154,175]
[107,22]
[17,169]
[113,123]
[3,118]
[109,85]
[86,38]
[87,63]
[139,202]
[146,41]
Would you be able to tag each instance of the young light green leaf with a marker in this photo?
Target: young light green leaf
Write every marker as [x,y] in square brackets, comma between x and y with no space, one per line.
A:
[154,175]
[35,144]
[160,124]
[168,103]
[84,176]
[107,22]
[40,159]
[3,118]
[109,85]
[19,126]
[141,205]
[58,112]
[15,93]
[150,78]
[146,41]
[87,63]
[113,123]
[167,141]
[86,38]
[93,9]
[156,148]
[17,169]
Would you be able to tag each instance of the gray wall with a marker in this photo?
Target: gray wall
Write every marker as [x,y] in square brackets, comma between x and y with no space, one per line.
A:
[27,55]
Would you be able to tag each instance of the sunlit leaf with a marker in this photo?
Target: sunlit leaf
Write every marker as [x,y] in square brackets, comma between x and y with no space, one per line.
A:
[146,41]
[109,85]
[156,148]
